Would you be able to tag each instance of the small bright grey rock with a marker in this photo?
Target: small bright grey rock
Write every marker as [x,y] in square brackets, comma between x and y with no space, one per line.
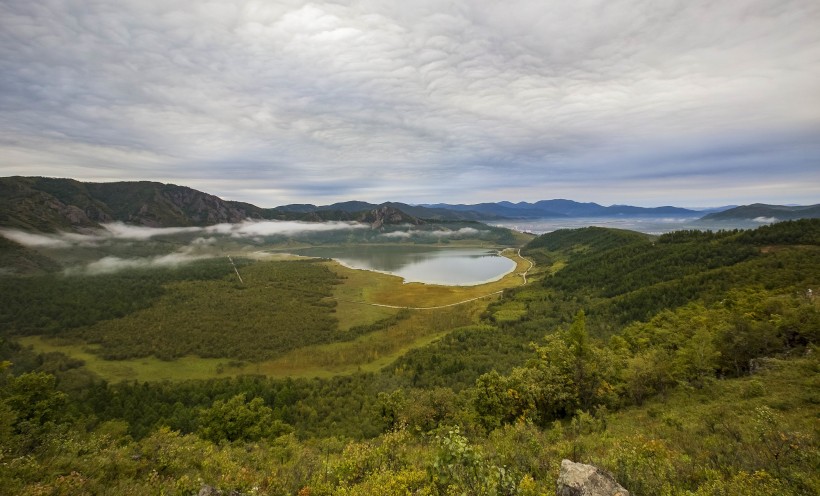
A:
[578,479]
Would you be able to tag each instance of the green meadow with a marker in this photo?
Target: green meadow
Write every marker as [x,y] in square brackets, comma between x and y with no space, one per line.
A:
[288,318]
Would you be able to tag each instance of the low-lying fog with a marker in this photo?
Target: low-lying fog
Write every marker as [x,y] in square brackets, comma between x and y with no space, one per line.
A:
[179,245]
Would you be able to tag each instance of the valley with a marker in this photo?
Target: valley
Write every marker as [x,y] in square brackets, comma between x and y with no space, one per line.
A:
[368,332]
[141,359]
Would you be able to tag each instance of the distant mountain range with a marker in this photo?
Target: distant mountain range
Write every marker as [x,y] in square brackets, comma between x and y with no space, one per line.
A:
[763,212]
[51,204]
[565,208]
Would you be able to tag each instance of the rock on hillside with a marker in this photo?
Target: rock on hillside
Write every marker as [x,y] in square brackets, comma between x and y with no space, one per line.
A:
[578,479]
[387,215]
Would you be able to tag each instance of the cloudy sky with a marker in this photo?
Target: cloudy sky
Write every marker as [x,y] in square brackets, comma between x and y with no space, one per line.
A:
[645,102]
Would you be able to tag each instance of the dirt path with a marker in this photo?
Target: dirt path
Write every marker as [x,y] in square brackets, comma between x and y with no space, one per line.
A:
[524,274]
[236,270]
[421,308]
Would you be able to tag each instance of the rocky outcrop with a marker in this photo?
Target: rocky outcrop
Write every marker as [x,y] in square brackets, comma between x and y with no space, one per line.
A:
[578,479]
[387,215]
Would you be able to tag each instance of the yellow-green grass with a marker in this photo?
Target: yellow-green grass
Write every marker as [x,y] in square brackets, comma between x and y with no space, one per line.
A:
[140,369]
[372,287]
[510,311]
[370,352]
[373,351]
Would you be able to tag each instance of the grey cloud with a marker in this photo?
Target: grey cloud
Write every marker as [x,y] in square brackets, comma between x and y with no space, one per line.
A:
[120,231]
[252,229]
[108,265]
[340,101]
[34,240]
[437,233]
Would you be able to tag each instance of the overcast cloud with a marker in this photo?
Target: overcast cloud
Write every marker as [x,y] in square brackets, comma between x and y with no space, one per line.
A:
[685,102]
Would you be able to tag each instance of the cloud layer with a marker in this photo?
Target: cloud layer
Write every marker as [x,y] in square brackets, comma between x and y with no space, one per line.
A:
[117,231]
[623,101]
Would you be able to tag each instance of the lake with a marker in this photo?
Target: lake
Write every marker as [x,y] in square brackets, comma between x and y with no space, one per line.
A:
[445,266]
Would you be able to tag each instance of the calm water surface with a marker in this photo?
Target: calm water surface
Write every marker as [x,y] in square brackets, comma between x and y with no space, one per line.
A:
[447,266]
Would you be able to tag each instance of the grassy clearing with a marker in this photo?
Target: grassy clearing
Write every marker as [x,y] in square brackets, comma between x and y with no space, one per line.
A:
[370,352]
[140,369]
[385,289]
[373,351]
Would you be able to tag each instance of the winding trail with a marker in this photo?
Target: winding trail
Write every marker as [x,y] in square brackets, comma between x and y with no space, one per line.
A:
[524,274]
[420,308]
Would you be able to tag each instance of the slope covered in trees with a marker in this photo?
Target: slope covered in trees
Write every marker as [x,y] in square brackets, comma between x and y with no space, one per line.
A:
[684,365]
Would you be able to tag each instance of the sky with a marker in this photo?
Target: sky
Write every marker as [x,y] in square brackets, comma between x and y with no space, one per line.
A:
[642,102]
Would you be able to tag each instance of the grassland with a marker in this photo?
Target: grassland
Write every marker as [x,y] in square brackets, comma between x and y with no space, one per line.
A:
[362,286]
[356,296]
[370,352]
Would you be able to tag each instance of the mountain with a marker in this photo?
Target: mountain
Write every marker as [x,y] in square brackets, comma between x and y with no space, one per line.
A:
[760,211]
[564,208]
[380,216]
[53,204]
[417,211]
[500,210]
[50,204]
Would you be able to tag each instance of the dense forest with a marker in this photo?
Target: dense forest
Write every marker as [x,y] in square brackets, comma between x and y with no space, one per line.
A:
[685,364]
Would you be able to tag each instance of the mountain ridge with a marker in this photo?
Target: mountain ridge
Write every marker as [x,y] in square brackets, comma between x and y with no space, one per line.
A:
[52,204]
[557,208]
[766,211]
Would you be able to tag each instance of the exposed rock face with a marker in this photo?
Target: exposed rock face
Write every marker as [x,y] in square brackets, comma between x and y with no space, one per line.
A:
[578,479]
[387,215]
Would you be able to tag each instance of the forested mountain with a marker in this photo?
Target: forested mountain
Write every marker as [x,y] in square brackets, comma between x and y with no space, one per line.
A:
[767,212]
[685,364]
[50,204]
[421,212]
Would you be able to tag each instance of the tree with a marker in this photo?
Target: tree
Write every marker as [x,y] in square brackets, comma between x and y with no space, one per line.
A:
[238,419]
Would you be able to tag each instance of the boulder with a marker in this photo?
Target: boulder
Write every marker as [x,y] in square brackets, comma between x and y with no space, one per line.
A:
[578,479]
[212,491]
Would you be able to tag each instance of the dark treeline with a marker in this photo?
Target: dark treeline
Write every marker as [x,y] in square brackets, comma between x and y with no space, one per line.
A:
[50,303]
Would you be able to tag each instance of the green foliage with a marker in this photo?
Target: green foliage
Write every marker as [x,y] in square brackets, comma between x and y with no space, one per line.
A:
[712,390]
[460,468]
[208,318]
[579,241]
[52,303]
[239,419]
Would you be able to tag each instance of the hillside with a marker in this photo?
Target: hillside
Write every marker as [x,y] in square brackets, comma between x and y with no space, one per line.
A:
[48,204]
[420,212]
[684,364]
[41,204]
[761,211]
